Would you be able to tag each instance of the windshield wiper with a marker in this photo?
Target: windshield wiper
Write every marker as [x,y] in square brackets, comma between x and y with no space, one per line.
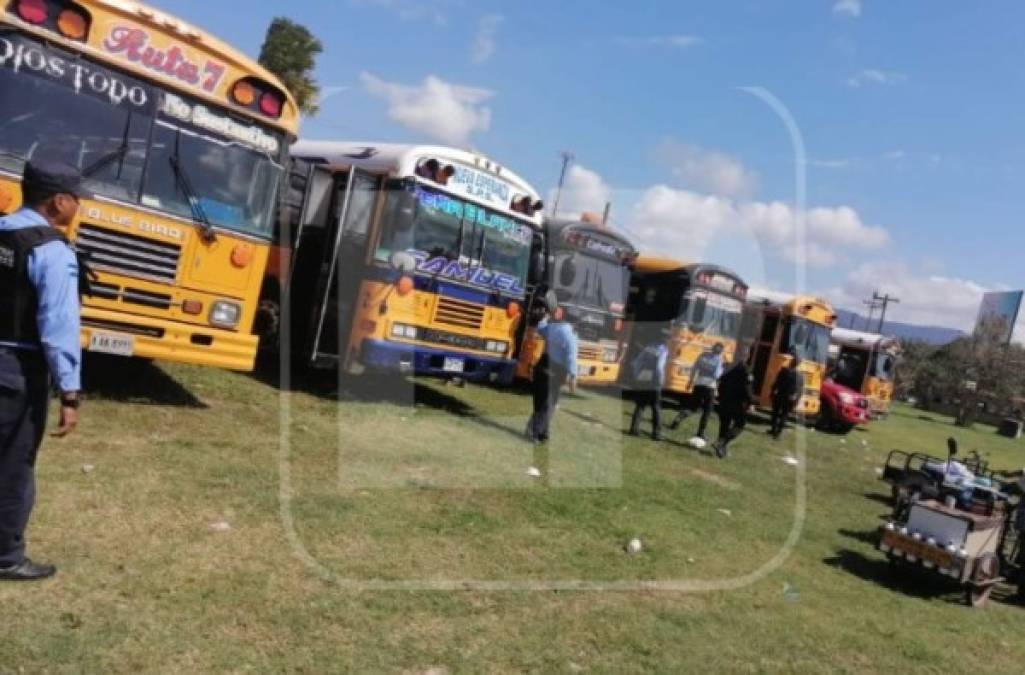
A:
[118,155]
[206,230]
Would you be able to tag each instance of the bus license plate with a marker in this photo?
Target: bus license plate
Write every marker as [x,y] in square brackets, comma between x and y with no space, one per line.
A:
[112,343]
[453,365]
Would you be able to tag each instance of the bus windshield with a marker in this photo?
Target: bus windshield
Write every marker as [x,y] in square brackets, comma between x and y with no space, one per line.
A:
[711,313]
[116,130]
[491,249]
[590,282]
[850,368]
[809,340]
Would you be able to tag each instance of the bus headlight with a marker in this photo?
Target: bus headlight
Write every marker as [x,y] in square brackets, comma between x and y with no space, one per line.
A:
[496,346]
[225,314]
[609,355]
[402,330]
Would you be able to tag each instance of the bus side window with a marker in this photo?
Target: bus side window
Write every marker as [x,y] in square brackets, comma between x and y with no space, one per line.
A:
[769,325]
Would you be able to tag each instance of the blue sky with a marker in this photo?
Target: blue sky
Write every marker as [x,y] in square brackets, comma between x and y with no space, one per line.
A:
[909,112]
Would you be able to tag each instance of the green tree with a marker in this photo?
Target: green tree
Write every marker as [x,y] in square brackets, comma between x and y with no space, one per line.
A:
[290,51]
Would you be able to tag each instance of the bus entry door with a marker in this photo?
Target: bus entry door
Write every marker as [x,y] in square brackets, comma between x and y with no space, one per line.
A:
[344,260]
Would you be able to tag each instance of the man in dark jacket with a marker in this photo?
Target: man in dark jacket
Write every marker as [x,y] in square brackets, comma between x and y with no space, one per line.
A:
[786,391]
[735,396]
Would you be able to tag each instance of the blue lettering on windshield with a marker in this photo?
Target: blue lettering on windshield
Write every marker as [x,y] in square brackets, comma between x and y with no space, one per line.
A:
[507,227]
[483,277]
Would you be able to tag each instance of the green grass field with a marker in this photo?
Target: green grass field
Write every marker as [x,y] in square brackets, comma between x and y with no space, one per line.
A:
[394,493]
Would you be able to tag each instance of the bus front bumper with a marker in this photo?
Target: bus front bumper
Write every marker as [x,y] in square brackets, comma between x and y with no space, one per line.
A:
[596,373]
[422,360]
[123,334]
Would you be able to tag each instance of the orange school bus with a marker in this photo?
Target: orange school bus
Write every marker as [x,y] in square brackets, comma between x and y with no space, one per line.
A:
[585,264]
[182,139]
[776,325]
[700,304]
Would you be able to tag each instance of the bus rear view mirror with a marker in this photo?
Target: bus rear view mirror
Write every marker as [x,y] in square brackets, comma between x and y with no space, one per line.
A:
[567,272]
[403,262]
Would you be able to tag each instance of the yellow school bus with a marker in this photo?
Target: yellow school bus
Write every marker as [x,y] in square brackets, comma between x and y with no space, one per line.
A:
[585,264]
[867,363]
[701,304]
[776,326]
[405,258]
[182,139]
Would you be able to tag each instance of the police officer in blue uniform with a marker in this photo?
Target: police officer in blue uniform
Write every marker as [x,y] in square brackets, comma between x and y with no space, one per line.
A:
[39,343]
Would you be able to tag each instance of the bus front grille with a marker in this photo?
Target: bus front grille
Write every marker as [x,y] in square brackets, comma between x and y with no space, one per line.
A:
[458,313]
[127,254]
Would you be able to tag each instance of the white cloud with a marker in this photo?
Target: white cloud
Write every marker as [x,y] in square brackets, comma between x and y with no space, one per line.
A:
[706,170]
[435,11]
[447,112]
[584,190]
[660,41]
[868,76]
[679,223]
[485,42]
[831,233]
[849,8]
[926,299]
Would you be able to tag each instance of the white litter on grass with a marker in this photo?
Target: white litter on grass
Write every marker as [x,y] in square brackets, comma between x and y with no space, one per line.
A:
[792,461]
[88,468]
[697,443]
[534,472]
[843,441]
[691,561]
[220,526]
[635,546]
[790,592]
[879,471]
[725,512]
[864,442]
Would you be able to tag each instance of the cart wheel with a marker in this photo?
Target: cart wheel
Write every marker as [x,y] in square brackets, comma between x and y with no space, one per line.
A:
[978,597]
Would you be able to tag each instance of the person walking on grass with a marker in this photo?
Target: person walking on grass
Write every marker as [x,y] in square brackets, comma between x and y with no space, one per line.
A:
[647,371]
[39,340]
[786,391]
[703,382]
[735,397]
[558,365]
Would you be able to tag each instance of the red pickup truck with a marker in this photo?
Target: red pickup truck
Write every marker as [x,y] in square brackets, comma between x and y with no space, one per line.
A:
[842,408]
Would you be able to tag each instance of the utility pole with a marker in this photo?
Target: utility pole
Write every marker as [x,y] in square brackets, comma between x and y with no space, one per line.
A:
[567,159]
[605,216]
[883,301]
[872,307]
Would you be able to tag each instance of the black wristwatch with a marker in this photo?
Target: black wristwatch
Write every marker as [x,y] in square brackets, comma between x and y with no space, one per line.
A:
[71,399]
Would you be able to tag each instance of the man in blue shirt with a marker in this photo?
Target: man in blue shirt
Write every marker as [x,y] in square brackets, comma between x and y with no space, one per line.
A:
[39,340]
[648,371]
[557,365]
[703,383]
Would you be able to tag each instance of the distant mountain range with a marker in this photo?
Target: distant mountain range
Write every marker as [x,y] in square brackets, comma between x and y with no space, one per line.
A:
[934,335]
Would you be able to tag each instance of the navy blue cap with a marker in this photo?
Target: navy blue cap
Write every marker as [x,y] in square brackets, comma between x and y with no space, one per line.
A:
[54,177]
